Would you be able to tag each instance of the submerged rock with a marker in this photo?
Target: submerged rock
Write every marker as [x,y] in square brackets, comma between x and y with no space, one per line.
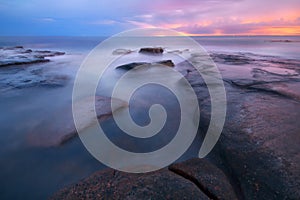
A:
[122,51]
[152,50]
[60,128]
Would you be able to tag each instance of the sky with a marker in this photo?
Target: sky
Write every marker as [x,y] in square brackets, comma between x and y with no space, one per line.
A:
[108,17]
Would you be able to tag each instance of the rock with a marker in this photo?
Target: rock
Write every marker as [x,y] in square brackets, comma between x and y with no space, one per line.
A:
[26,77]
[54,81]
[49,53]
[281,41]
[12,48]
[261,139]
[60,128]
[193,179]
[178,51]
[122,51]
[259,146]
[207,177]
[168,63]
[111,184]
[133,65]
[231,59]
[152,50]
[28,51]
[18,56]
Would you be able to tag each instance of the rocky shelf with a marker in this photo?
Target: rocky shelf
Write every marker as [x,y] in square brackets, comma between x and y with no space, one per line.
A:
[18,55]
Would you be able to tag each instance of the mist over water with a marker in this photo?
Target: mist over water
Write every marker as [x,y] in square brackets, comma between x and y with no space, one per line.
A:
[26,101]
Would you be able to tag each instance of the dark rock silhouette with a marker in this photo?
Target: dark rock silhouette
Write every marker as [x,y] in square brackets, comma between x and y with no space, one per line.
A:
[152,50]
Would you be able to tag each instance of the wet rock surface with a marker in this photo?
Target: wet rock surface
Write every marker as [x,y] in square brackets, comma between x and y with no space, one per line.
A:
[257,155]
[18,55]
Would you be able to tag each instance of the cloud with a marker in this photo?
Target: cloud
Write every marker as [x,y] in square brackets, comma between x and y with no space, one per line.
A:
[47,19]
[140,24]
[103,22]
[222,16]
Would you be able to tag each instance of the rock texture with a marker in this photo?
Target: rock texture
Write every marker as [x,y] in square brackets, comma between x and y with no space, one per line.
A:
[259,146]
[162,184]
[208,178]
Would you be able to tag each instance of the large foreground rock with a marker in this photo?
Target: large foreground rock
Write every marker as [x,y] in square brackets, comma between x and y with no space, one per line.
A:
[162,184]
[110,184]
[259,146]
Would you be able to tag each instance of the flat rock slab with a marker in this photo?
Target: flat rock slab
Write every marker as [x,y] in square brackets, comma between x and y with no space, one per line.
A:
[260,143]
[110,184]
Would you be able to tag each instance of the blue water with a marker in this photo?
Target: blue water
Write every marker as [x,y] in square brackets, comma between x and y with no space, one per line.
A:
[32,172]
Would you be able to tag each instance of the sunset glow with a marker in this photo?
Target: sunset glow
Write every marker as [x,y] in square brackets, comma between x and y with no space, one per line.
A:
[190,17]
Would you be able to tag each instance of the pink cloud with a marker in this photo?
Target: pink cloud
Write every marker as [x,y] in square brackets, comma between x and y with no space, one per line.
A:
[221,16]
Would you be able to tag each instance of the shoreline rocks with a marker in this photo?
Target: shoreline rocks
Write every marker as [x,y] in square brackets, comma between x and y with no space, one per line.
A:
[18,55]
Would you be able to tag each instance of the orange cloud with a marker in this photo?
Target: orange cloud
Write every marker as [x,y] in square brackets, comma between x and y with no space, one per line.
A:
[281,30]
